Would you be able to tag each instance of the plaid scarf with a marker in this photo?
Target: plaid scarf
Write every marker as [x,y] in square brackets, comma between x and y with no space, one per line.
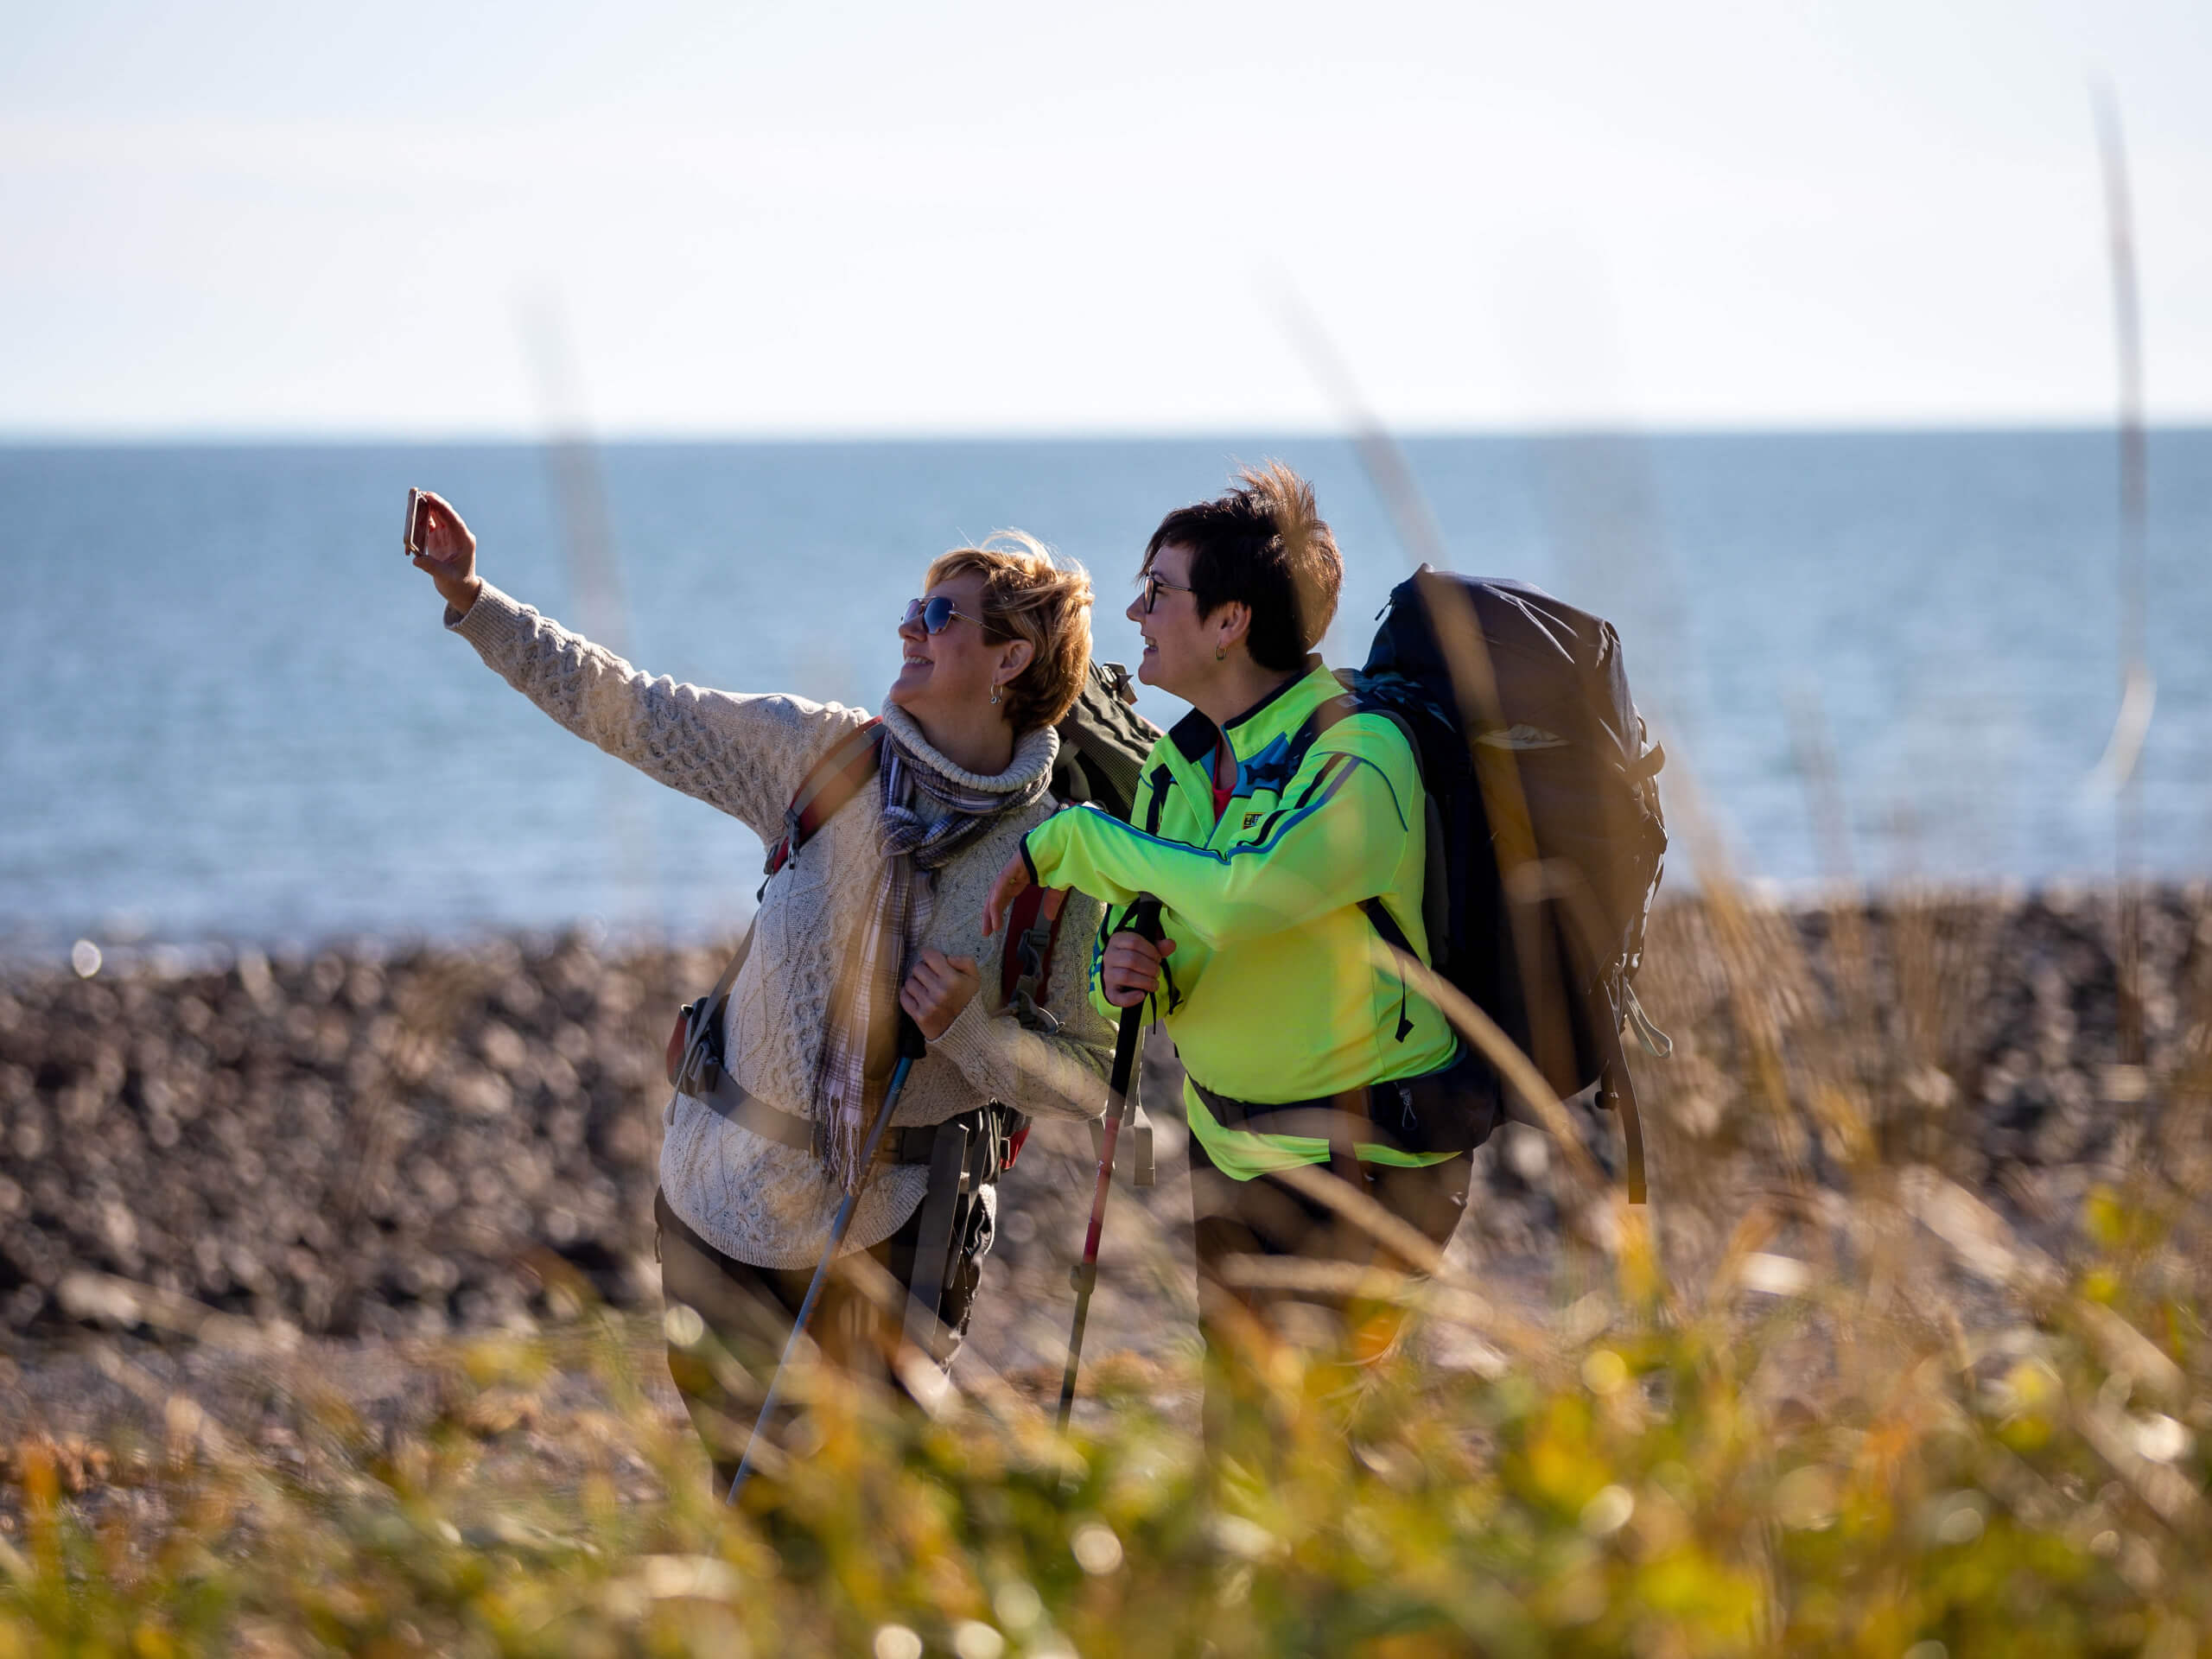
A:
[860,1046]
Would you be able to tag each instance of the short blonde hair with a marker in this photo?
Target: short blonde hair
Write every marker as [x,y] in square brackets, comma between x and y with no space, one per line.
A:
[1030,594]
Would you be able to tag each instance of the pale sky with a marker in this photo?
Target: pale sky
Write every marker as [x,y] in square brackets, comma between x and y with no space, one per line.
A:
[256,220]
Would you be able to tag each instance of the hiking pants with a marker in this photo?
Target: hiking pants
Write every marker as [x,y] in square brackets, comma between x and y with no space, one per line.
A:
[1265,1216]
[748,1312]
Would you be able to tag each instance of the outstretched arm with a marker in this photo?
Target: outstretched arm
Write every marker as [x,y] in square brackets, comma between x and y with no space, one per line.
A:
[745,754]
[1338,838]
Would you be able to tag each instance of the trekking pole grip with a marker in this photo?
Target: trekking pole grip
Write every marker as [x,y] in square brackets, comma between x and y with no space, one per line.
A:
[912,1045]
[1142,918]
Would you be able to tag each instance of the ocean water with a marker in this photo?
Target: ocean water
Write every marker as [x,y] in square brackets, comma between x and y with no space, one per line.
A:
[229,712]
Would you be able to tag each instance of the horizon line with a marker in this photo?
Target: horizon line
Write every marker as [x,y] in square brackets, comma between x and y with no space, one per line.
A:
[372,437]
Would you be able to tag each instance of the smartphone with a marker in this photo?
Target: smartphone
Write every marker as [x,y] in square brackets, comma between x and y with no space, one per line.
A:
[413,540]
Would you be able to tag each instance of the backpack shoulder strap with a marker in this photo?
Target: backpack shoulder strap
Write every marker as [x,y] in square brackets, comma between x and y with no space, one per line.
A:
[829,783]
[1404,729]
[1163,779]
[1334,712]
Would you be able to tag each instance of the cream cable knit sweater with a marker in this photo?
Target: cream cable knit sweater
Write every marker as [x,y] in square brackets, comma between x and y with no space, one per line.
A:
[754,1200]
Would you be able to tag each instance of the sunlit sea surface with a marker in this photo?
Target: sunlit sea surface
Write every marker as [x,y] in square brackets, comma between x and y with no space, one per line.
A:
[231,713]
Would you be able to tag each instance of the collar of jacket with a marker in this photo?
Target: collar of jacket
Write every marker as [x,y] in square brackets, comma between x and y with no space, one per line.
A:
[1278,714]
[1195,736]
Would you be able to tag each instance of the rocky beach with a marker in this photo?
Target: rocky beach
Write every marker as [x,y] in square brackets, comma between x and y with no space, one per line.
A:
[385,1143]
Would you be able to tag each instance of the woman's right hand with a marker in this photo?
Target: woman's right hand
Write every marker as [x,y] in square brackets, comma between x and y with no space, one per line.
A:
[449,555]
[1129,972]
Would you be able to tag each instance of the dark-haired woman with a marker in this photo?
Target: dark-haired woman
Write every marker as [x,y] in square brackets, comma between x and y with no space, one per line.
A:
[1268,818]
[877,914]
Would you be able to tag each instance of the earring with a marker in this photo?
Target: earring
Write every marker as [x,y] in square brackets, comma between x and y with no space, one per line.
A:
[1221,653]
[995,695]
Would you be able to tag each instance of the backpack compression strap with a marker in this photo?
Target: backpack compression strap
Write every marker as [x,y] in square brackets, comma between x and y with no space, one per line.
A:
[1032,930]
[1026,965]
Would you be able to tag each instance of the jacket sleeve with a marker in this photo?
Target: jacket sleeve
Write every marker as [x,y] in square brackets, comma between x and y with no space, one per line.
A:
[1180,972]
[745,754]
[1062,1075]
[1338,838]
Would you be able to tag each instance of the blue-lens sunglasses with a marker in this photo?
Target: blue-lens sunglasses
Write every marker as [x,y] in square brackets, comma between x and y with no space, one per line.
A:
[936,614]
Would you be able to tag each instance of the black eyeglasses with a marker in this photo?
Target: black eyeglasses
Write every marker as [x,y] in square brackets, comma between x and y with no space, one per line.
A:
[936,614]
[1153,584]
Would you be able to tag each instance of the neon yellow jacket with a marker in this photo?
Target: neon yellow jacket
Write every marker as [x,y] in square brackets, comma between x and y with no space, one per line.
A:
[1275,991]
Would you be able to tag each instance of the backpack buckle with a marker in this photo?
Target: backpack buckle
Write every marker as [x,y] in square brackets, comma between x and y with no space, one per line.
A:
[1031,1017]
[1657,1043]
[700,1070]
[1030,952]
[1036,940]
[794,833]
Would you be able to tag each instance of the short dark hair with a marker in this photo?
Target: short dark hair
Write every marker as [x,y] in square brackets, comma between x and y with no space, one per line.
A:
[1264,543]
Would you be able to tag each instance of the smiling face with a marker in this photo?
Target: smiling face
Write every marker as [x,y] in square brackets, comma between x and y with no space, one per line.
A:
[951,675]
[1179,643]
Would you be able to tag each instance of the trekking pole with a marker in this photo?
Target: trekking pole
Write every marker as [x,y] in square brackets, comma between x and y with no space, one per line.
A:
[911,1046]
[1143,919]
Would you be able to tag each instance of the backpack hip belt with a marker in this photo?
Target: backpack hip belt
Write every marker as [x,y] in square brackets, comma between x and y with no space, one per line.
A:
[751,1113]
[963,1154]
[1452,1109]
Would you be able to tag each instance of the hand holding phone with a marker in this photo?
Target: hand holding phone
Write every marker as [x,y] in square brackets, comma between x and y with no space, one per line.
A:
[441,547]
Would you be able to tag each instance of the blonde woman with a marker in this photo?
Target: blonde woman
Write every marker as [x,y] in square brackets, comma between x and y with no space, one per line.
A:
[877,914]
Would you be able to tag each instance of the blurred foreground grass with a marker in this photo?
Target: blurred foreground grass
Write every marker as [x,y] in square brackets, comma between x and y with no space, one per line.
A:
[1807,1452]
[1820,1398]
